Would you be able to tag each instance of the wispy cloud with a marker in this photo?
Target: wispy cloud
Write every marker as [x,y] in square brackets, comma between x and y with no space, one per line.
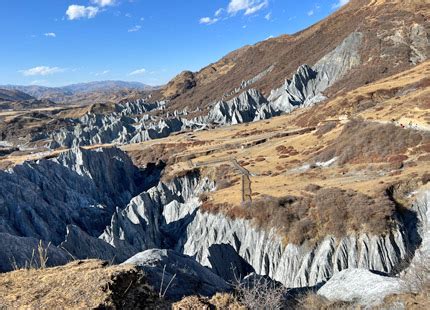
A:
[103,3]
[268,16]
[102,73]
[42,70]
[311,12]
[79,11]
[138,72]
[219,12]
[50,34]
[339,3]
[248,6]
[208,20]
[39,82]
[135,28]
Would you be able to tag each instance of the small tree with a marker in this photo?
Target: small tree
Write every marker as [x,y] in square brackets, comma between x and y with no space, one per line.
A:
[260,293]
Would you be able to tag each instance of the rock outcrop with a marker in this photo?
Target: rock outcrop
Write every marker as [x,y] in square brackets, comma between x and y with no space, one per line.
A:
[131,123]
[93,207]
[156,218]
[185,276]
[18,252]
[308,84]
[80,188]
[360,286]
[247,107]
[294,266]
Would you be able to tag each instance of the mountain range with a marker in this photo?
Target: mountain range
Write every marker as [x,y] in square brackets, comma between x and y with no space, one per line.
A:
[83,93]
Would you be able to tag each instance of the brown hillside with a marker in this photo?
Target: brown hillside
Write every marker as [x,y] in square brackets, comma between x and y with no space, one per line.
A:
[384,52]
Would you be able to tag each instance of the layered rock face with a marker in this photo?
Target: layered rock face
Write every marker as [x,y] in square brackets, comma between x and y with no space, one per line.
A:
[187,277]
[82,188]
[294,266]
[96,204]
[308,84]
[131,123]
[79,187]
[248,107]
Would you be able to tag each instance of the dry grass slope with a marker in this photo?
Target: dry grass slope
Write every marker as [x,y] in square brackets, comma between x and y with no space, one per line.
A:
[88,284]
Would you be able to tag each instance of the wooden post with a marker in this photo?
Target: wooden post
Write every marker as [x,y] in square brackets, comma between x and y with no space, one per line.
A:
[246,189]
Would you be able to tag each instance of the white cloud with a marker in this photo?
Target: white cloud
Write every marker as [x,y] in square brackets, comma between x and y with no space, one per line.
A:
[50,34]
[249,6]
[340,3]
[103,3]
[311,12]
[79,11]
[39,82]
[138,72]
[41,70]
[102,73]
[268,16]
[135,28]
[219,12]
[208,20]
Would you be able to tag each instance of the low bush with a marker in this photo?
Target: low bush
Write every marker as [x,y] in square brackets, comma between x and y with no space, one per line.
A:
[330,211]
[312,301]
[325,128]
[362,141]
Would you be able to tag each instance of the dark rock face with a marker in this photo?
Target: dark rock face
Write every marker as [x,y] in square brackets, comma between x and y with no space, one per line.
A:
[18,252]
[187,277]
[38,200]
[79,187]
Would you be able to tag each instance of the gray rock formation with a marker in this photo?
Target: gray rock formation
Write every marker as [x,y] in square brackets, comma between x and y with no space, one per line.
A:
[79,245]
[187,277]
[131,123]
[21,252]
[308,84]
[96,204]
[156,218]
[38,200]
[247,107]
[360,286]
[119,127]
[294,266]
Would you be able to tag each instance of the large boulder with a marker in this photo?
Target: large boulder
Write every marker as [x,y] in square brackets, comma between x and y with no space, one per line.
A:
[185,275]
[360,286]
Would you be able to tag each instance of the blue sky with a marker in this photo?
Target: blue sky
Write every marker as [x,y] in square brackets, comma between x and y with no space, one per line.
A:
[56,42]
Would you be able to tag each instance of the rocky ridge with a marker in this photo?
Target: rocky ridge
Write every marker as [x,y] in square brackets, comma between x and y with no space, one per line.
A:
[123,126]
[104,214]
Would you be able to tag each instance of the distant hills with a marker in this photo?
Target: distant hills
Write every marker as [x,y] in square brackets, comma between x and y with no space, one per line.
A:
[13,95]
[18,100]
[81,93]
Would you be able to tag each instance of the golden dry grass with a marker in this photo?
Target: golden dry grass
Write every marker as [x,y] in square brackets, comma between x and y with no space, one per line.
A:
[78,285]
[221,301]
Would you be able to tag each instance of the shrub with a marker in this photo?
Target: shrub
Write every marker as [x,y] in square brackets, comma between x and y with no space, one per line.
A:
[362,141]
[329,211]
[222,178]
[325,128]
[312,301]
[260,293]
